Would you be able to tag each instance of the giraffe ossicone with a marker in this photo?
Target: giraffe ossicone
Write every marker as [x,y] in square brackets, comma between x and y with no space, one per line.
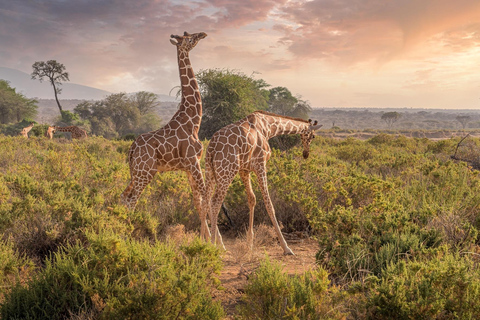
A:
[242,147]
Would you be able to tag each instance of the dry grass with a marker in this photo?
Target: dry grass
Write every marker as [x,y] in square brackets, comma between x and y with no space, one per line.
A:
[178,235]
[264,236]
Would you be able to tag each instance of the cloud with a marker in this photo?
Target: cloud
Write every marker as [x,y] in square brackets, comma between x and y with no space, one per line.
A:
[349,32]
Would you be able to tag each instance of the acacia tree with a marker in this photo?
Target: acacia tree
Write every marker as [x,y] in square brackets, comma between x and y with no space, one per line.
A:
[463,120]
[228,96]
[391,117]
[146,101]
[117,115]
[54,72]
[281,101]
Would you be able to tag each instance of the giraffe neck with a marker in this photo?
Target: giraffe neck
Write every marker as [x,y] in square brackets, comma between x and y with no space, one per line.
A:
[191,103]
[275,125]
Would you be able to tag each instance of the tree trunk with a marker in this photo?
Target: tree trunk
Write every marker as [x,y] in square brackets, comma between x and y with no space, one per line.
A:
[56,95]
[56,98]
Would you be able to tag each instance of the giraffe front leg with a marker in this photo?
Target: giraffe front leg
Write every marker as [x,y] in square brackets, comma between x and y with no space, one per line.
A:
[198,190]
[262,181]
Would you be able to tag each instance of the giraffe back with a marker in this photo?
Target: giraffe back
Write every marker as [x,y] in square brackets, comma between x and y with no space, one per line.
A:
[76,132]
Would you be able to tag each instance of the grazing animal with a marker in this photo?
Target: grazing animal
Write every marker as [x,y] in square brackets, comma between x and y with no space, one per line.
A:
[242,147]
[76,132]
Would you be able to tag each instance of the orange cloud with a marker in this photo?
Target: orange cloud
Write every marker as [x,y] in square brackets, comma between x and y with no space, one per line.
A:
[375,30]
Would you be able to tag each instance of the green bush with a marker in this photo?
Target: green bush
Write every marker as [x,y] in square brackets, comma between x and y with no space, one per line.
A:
[272,294]
[14,268]
[115,278]
[444,287]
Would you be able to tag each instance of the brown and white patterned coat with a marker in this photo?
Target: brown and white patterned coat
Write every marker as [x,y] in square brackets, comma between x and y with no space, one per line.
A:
[175,146]
[76,132]
[242,147]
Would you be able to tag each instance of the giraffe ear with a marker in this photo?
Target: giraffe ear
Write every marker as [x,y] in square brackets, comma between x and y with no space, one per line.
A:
[174,42]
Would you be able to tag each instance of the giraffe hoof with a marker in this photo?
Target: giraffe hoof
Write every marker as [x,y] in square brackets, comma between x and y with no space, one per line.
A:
[289,253]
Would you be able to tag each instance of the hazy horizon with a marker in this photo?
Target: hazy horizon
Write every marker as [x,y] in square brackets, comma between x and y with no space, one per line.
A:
[362,54]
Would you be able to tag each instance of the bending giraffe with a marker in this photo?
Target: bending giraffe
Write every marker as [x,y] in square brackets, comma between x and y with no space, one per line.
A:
[175,146]
[76,132]
[242,147]
[26,130]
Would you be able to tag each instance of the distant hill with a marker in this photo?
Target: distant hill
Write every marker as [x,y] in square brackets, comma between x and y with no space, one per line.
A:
[23,83]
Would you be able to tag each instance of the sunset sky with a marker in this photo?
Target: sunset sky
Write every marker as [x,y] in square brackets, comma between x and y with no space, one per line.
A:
[333,53]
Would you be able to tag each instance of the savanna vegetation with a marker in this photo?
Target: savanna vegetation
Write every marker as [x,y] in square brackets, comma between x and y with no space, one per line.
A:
[396,220]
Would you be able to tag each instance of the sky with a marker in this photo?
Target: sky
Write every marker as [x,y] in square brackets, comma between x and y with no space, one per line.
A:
[332,53]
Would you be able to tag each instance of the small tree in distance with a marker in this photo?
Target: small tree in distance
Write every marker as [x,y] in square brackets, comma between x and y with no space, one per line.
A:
[463,120]
[391,117]
[54,72]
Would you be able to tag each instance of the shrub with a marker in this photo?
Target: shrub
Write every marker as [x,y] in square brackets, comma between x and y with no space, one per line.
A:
[272,294]
[121,279]
[14,268]
[444,287]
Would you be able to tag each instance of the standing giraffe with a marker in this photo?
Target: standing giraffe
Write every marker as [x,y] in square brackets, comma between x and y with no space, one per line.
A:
[175,146]
[242,147]
[26,130]
[50,132]
[76,132]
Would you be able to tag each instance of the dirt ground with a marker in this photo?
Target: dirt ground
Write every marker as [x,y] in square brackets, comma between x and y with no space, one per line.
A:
[239,263]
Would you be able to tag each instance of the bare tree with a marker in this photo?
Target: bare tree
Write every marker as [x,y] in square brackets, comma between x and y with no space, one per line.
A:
[54,72]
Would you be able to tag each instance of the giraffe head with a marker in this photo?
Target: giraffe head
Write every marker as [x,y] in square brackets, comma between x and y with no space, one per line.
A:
[188,41]
[308,136]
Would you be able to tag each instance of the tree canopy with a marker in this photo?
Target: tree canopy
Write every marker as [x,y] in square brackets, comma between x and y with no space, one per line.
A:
[228,96]
[54,72]
[119,114]
[391,117]
[463,120]
[14,107]
[281,101]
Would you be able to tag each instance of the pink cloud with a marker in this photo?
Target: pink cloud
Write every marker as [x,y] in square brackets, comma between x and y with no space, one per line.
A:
[371,30]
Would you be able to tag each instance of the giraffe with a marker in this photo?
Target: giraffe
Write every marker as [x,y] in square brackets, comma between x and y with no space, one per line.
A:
[76,132]
[242,147]
[26,130]
[176,145]
[50,132]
